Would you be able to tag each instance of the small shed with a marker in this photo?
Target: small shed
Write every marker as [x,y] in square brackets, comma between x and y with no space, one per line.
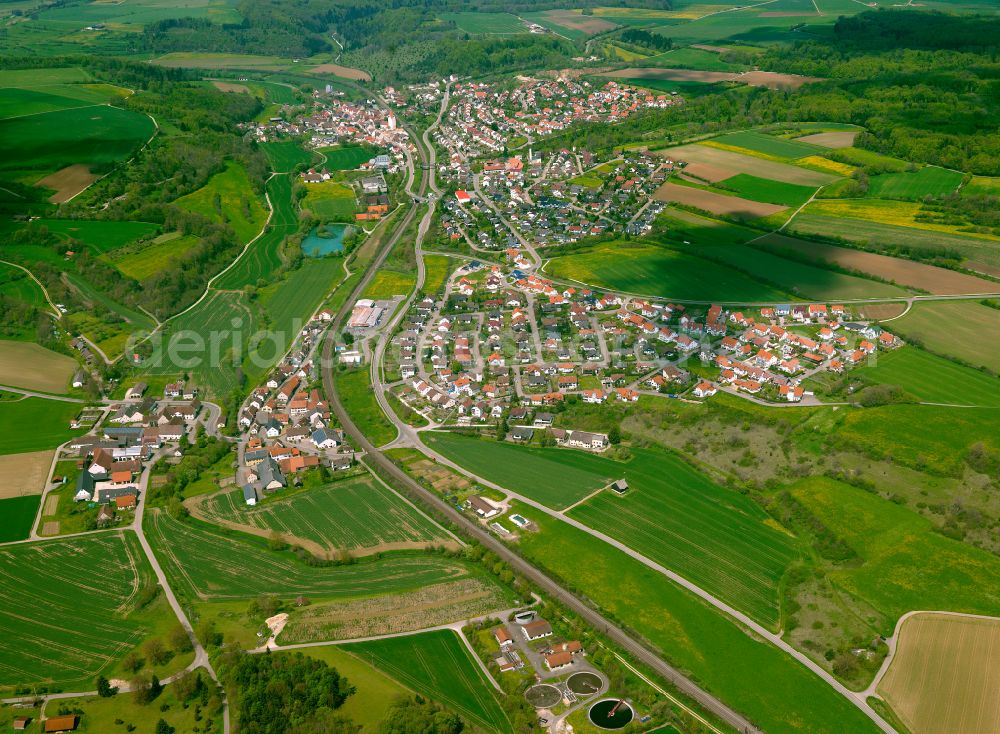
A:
[620,486]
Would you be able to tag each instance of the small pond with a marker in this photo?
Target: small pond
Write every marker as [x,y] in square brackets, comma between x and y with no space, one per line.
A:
[325,239]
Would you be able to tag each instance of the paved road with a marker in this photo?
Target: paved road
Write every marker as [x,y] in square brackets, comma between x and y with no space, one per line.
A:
[542,581]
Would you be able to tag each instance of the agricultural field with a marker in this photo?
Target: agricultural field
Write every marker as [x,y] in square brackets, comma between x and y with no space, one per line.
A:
[785,697]
[934,440]
[944,676]
[935,280]
[833,139]
[982,186]
[713,536]
[49,421]
[684,226]
[263,256]
[100,236]
[729,163]
[292,300]
[933,379]
[763,189]
[228,198]
[93,136]
[209,564]
[964,329]
[17,284]
[33,367]
[133,16]
[862,158]
[733,207]
[891,542]
[346,157]
[94,578]
[694,58]
[210,60]
[212,318]
[389,283]
[358,514]
[804,281]
[486,23]
[656,271]
[158,255]
[555,477]
[438,268]
[571,24]
[769,145]
[410,611]
[19,102]
[927,181]
[975,252]
[438,665]
[18,515]
[376,691]
[355,389]
[285,155]
[330,201]
[879,211]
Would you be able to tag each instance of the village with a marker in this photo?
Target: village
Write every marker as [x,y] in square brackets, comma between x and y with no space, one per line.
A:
[503,345]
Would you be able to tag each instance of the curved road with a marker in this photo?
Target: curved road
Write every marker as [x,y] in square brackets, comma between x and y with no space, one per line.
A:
[402,480]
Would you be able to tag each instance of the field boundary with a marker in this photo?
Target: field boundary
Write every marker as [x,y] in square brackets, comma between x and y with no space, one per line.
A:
[893,643]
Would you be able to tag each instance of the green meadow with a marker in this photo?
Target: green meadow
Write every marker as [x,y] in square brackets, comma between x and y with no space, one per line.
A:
[489,23]
[330,201]
[768,145]
[97,136]
[284,155]
[926,181]
[376,691]
[906,564]
[786,698]
[964,329]
[155,257]
[933,379]
[765,189]
[929,438]
[346,157]
[655,271]
[355,390]
[263,257]
[672,513]
[554,477]
[35,424]
[439,666]
[99,235]
[228,197]
[18,515]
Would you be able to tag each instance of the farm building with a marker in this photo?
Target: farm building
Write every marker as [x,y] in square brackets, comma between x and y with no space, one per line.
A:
[482,506]
[60,723]
[536,630]
[620,486]
[558,660]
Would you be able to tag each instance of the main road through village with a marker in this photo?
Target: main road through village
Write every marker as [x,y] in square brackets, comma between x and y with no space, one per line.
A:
[647,656]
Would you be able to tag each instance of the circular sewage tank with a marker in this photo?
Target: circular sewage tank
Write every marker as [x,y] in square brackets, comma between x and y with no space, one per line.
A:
[543,696]
[584,684]
[601,715]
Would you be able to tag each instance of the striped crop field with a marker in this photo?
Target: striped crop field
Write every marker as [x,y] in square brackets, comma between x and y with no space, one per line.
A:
[65,607]
[356,513]
[439,666]
[208,564]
